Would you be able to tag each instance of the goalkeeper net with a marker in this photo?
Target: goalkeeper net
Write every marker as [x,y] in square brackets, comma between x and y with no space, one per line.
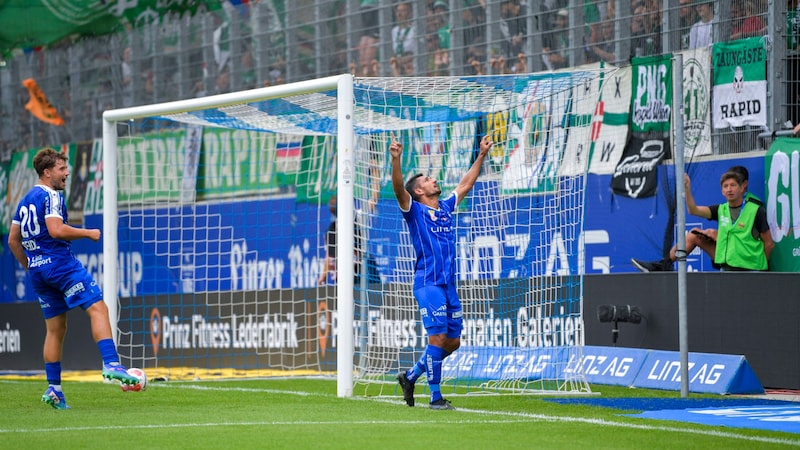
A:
[256,233]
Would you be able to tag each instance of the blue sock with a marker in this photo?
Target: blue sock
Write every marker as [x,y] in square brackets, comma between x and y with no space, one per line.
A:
[419,368]
[434,364]
[108,351]
[53,372]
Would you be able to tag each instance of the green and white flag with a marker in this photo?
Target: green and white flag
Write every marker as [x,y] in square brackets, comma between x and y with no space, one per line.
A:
[599,123]
[651,105]
[740,83]
[697,102]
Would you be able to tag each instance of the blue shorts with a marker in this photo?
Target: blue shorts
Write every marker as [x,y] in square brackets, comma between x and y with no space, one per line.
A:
[63,287]
[440,310]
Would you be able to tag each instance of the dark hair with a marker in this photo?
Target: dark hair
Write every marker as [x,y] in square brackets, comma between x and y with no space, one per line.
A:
[731,174]
[45,159]
[742,171]
[411,184]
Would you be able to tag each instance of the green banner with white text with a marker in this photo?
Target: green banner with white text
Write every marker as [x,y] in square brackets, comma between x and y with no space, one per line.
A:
[782,175]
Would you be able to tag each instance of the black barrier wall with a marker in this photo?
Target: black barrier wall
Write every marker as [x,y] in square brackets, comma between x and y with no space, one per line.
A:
[752,314]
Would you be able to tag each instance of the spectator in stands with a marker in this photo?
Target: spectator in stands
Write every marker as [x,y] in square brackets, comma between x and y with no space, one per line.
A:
[687,16]
[438,39]
[642,42]
[127,78]
[701,34]
[513,30]
[706,239]
[603,46]
[556,44]
[749,24]
[249,78]
[370,35]
[403,36]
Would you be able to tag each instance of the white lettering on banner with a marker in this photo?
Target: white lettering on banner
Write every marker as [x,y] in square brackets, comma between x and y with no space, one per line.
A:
[485,331]
[671,371]
[599,365]
[783,210]
[248,273]
[131,271]
[264,332]
[304,269]
[652,81]
[708,375]
[542,331]
[510,365]
[10,340]
[391,333]
[601,263]
[488,331]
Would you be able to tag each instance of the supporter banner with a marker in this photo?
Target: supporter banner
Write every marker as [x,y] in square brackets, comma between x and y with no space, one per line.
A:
[697,102]
[651,107]
[34,23]
[254,170]
[740,83]
[636,175]
[610,134]
[599,129]
[782,168]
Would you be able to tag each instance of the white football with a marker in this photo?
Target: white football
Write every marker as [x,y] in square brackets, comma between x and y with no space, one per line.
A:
[141,385]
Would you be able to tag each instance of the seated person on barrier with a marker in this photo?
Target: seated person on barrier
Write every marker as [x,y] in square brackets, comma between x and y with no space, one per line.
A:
[743,240]
[706,238]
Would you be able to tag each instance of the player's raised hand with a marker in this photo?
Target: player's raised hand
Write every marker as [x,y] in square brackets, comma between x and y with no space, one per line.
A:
[395,148]
[486,144]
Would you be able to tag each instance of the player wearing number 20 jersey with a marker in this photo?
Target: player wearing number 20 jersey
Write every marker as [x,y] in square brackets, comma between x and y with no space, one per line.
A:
[58,278]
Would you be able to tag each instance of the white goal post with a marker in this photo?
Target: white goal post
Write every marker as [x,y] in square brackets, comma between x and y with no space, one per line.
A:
[221,202]
[343,84]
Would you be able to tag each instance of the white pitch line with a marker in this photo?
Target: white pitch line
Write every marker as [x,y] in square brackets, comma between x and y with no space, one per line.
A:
[512,417]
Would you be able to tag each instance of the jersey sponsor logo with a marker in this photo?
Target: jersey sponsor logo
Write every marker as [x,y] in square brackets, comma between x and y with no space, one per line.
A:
[39,260]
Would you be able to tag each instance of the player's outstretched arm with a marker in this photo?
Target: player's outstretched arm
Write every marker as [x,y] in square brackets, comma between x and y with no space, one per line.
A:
[60,230]
[471,176]
[403,197]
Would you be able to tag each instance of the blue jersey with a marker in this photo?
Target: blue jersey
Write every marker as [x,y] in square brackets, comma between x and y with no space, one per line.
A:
[433,234]
[42,250]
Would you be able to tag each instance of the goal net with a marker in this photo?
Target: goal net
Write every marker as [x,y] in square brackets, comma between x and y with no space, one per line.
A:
[218,232]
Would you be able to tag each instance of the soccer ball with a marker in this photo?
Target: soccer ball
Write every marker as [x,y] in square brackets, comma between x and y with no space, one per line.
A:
[141,385]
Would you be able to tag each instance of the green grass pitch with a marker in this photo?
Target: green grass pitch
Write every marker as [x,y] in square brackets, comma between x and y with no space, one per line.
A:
[306,413]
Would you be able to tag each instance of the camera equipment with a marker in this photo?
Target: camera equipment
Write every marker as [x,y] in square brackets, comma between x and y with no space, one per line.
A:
[616,314]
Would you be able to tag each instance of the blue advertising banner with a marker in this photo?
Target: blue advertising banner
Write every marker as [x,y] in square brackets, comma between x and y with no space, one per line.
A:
[710,373]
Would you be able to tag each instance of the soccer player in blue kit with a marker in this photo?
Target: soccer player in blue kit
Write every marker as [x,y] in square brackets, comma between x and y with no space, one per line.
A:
[40,240]
[430,223]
